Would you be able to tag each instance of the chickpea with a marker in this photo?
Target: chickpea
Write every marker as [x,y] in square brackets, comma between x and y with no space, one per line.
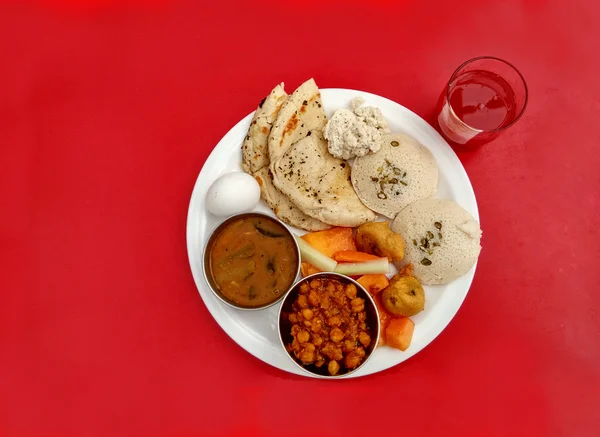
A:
[360,352]
[295,329]
[313,298]
[338,355]
[303,336]
[364,338]
[357,301]
[334,321]
[349,345]
[333,367]
[317,340]
[307,313]
[330,350]
[325,303]
[307,356]
[350,291]
[307,323]
[350,335]
[352,360]
[314,284]
[302,301]
[362,316]
[358,304]
[362,325]
[317,326]
[336,335]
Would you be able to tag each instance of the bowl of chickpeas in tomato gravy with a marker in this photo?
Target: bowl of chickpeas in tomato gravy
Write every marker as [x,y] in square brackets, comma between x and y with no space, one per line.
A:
[329,325]
[251,261]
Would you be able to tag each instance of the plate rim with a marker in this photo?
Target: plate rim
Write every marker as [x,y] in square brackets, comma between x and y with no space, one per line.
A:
[198,278]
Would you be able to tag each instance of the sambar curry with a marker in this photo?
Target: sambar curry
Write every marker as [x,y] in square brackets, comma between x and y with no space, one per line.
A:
[253,261]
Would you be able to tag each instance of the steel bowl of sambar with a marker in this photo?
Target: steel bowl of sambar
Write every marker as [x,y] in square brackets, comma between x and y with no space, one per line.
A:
[251,260]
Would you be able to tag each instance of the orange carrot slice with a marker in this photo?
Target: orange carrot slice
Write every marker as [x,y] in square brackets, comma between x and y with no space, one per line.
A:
[352,256]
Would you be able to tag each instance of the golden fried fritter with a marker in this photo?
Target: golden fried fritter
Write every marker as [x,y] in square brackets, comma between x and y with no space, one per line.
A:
[378,239]
[404,296]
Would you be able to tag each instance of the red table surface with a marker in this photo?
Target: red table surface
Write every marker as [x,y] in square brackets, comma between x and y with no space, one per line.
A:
[109,110]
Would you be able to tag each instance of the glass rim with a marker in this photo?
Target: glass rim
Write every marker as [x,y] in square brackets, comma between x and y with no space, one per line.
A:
[478,58]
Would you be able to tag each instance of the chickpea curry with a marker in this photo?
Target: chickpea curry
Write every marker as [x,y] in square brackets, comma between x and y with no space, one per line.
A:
[329,326]
[253,261]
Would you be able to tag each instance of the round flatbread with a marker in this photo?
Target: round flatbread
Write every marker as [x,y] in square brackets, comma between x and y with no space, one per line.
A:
[319,184]
[282,206]
[255,152]
[300,114]
[442,240]
[401,172]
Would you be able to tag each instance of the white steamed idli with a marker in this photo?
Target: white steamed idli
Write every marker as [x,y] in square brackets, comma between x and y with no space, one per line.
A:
[400,173]
[442,240]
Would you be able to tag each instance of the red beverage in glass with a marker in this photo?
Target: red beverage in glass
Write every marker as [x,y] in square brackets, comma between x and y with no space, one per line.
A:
[484,97]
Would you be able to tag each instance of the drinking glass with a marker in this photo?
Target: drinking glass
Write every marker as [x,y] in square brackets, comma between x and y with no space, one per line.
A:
[484,97]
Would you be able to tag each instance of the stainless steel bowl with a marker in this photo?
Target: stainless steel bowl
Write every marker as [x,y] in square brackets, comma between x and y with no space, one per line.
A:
[206,257]
[286,338]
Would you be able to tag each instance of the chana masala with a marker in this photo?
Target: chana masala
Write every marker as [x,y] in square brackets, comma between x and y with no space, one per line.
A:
[329,326]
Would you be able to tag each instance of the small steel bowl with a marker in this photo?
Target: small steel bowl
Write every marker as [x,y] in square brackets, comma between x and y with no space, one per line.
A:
[285,326]
[206,257]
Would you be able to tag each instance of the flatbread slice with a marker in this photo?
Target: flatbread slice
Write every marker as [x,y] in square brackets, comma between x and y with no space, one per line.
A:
[254,149]
[301,113]
[319,184]
[282,206]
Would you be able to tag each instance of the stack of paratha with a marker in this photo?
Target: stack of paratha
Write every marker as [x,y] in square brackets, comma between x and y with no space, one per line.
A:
[286,152]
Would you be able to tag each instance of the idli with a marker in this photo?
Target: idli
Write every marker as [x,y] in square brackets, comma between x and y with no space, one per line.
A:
[400,173]
[441,239]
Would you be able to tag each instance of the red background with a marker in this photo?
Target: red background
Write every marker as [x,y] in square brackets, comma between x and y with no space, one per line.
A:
[107,113]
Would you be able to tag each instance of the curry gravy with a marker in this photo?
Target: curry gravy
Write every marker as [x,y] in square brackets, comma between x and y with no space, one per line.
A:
[253,261]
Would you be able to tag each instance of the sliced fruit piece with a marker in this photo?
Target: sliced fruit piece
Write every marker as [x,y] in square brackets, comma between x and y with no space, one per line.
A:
[384,319]
[399,332]
[308,269]
[331,241]
[374,283]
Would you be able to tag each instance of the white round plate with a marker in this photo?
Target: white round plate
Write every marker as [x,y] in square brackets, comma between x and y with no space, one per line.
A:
[256,331]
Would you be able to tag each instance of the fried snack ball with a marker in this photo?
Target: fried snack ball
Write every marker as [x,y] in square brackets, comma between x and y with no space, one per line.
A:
[378,239]
[404,296]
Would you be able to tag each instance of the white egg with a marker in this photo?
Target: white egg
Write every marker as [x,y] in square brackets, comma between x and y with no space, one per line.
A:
[232,193]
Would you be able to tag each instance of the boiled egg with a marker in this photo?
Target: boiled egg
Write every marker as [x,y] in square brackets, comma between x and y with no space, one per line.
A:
[232,193]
